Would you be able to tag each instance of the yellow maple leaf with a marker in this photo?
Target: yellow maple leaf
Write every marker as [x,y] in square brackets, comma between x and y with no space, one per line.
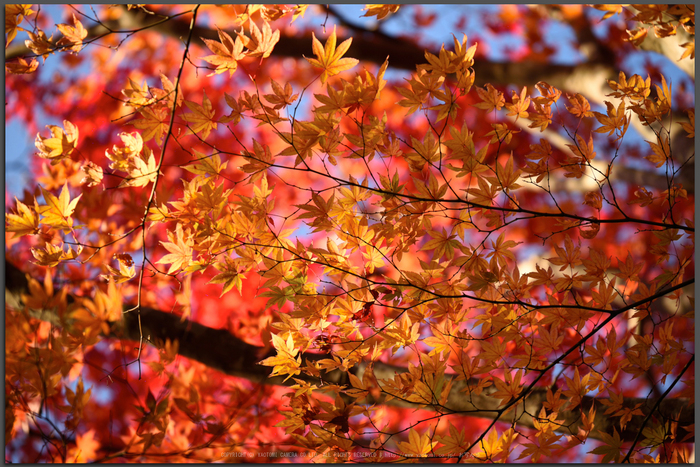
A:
[226,53]
[284,362]
[25,222]
[180,250]
[123,274]
[52,255]
[229,276]
[260,44]
[142,169]
[379,10]
[57,212]
[328,57]
[60,144]
[417,445]
[201,117]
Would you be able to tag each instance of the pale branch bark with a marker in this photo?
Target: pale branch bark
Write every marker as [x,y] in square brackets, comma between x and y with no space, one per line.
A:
[219,350]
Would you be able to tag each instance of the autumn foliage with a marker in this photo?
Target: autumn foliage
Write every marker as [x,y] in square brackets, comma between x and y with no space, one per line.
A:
[253,234]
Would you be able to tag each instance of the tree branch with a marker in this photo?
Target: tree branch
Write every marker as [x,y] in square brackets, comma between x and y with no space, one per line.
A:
[589,78]
[219,350]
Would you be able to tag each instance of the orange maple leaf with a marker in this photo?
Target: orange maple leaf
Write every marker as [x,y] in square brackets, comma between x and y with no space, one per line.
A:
[493,99]
[86,447]
[72,35]
[21,67]
[329,58]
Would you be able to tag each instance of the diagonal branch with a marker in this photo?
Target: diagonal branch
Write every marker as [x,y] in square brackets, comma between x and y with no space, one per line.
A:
[588,78]
[221,351]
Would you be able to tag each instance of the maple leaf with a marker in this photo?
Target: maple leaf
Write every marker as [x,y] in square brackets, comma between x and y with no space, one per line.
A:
[319,212]
[21,66]
[258,162]
[501,133]
[154,121]
[230,276]
[180,249]
[542,447]
[86,447]
[689,51]
[142,170]
[278,296]
[493,350]
[284,362]
[260,44]
[14,15]
[166,96]
[72,35]
[60,145]
[662,151]
[579,106]
[643,197]
[577,387]
[93,174]
[493,99]
[206,166]
[629,270]
[57,212]
[40,44]
[508,389]
[441,341]
[120,156]
[52,255]
[417,445]
[454,443]
[492,447]
[328,57]
[298,11]
[449,107]
[519,105]
[227,53]
[281,97]
[505,177]
[583,151]
[380,11]
[569,256]
[24,222]
[442,244]
[375,257]
[612,449]
[123,274]
[616,408]
[485,194]
[415,97]
[615,120]
[201,117]
[605,295]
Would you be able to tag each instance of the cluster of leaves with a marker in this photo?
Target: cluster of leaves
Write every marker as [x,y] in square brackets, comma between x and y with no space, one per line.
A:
[421,209]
